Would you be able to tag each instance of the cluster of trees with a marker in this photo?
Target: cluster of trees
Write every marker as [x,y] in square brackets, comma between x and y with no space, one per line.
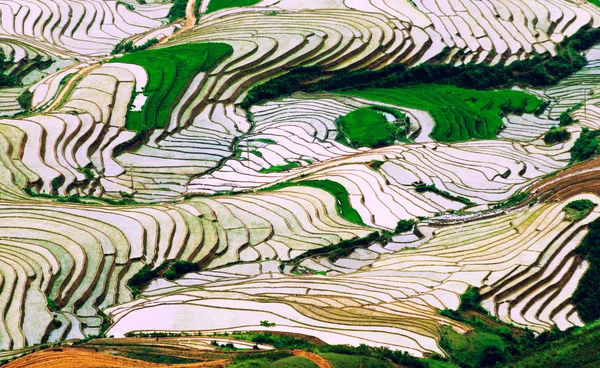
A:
[177,11]
[170,271]
[556,135]
[540,70]
[586,146]
[586,297]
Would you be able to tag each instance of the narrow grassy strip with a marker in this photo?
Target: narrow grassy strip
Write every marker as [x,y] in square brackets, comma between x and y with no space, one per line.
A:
[443,193]
[215,5]
[345,209]
[169,70]
[460,114]
[278,168]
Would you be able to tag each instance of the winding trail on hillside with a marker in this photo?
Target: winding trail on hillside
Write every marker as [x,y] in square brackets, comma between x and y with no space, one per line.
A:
[317,359]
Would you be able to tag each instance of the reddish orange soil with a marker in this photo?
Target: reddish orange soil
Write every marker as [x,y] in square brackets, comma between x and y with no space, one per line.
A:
[317,359]
[84,358]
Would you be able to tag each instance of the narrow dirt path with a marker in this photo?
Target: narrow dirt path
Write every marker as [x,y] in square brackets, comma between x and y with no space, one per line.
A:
[68,88]
[317,359]
[190,21]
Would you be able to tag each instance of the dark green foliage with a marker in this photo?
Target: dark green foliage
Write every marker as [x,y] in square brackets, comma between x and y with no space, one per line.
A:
[556,135]
[180,268]
[25,99]
[170,70]
[177,11]
[586,297]
[144,276]
[538,71]
[281,86]
[125,47]
[281,341]
[11,74]
[341,249]
[126,5]
[368,127]
[471,300]
[52,305]
[432,188]
[556,349]
[578,209]
[513,200]
[586,146]
[266,323]
[405,225]
[376,164]
[565,119]
[215,5]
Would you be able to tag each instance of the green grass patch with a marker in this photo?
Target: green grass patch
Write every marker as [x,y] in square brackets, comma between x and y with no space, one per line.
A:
[279,168]
[169,71]
[577,349]
[472,349]
[342,198]
[578,209]
[369,127]
[459,114]
[354,361]
[215,5]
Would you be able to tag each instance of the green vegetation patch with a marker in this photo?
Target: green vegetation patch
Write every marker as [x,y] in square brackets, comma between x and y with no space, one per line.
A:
[586,297]
[433,189]
[474,348]
[369,127]
[215,5]
[354,361]
[169,72]
[459,114]
[342,197]
[578,209]
[279,168]
[170,271]
[586,146]
[556,135]
[177,11]
[576,349]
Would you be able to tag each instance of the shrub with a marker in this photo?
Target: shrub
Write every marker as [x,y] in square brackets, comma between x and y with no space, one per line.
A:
[556,135]
[586,146]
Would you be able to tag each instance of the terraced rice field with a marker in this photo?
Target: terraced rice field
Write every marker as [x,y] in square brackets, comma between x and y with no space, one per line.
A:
[114,166]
